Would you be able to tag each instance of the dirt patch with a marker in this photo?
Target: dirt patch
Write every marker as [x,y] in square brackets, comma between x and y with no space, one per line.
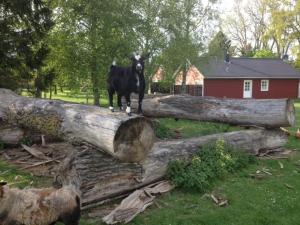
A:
[24,160]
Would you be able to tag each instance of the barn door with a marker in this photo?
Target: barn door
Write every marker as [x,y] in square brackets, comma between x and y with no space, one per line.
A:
[247,89]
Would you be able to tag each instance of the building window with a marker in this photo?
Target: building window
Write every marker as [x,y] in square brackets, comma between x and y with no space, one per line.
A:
[264,85]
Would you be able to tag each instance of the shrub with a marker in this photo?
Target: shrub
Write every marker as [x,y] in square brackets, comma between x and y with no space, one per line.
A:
[211,162]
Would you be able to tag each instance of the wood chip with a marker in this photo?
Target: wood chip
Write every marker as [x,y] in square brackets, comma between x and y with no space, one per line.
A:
[219,200]
[289,186]
[267,172]
[285,131]
[281,165]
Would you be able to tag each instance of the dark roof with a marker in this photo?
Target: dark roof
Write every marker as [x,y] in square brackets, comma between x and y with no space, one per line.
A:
[251,68]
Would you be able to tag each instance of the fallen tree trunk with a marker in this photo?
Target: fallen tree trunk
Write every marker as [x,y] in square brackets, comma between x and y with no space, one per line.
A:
[259,112]
[101,177]
[11,135]
[126,138]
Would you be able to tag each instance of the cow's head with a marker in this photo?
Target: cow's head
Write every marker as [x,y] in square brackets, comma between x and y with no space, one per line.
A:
[138,62]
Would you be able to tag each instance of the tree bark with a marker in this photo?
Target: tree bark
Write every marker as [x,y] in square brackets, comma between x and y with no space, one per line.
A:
[11,135]
[102,177]
[126,138]
[262,112]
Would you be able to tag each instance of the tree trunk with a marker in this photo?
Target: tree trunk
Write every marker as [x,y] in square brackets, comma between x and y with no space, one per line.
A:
[11,135]
[101,177]
[183,85]
[263,112]
[50,90]
[126,138]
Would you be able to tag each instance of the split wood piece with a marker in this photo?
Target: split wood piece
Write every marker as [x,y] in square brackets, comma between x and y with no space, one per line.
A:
[102,177]
[11,135]
[126,138]
[40,163]
[35,152]
[136,203]
[256,112]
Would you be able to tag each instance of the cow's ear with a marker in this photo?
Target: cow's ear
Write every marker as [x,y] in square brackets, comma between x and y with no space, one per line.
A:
[132,56]
[2,183]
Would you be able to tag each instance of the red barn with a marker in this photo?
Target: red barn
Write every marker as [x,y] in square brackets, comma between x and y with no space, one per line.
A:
[252,78]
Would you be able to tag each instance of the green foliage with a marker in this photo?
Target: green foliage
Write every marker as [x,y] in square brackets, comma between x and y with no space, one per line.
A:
[2,145]
[297,62]
[264,53]
[211,162]
[24,24]
[219,45]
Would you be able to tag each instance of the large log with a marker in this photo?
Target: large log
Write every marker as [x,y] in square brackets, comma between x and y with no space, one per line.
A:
[102,177]
[259,112]
[11,135]
[126,138]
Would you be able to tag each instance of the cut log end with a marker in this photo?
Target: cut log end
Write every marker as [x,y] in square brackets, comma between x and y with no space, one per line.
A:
[134,139]
[290,112]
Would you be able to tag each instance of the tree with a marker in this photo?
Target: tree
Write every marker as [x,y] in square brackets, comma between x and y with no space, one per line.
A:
[238,27]
[183,21]
[264,53]
[23,24]
[219,45]
[150,35]
[88,36]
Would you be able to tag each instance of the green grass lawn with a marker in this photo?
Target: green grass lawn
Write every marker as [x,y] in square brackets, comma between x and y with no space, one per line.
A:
[75,97]
[272,200]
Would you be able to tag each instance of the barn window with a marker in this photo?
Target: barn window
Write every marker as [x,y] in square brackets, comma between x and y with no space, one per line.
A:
[264,85]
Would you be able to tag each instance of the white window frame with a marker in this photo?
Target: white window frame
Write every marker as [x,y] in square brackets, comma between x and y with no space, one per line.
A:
[264,87]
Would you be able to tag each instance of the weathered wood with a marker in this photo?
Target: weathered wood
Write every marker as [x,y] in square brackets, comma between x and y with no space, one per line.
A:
[126,138]
[136,203]
[11,135]
[259,112]
[102,177]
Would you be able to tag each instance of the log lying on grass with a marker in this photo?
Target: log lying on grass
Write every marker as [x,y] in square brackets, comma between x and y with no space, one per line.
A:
[262,112]
[126,138]
[102,177]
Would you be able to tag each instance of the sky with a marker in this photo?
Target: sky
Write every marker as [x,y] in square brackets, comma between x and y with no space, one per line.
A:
[227,5]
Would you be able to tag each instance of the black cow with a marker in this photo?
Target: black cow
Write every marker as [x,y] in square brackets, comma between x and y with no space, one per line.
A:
[126,80]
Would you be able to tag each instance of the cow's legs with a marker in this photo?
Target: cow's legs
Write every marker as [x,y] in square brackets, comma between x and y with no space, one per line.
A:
[128,109]
[120,102]
[110,95]
[141,96]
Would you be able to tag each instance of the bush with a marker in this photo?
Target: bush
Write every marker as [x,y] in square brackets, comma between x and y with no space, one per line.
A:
[212,162]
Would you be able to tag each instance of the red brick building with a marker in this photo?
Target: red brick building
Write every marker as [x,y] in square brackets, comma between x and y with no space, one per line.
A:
[251,78]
